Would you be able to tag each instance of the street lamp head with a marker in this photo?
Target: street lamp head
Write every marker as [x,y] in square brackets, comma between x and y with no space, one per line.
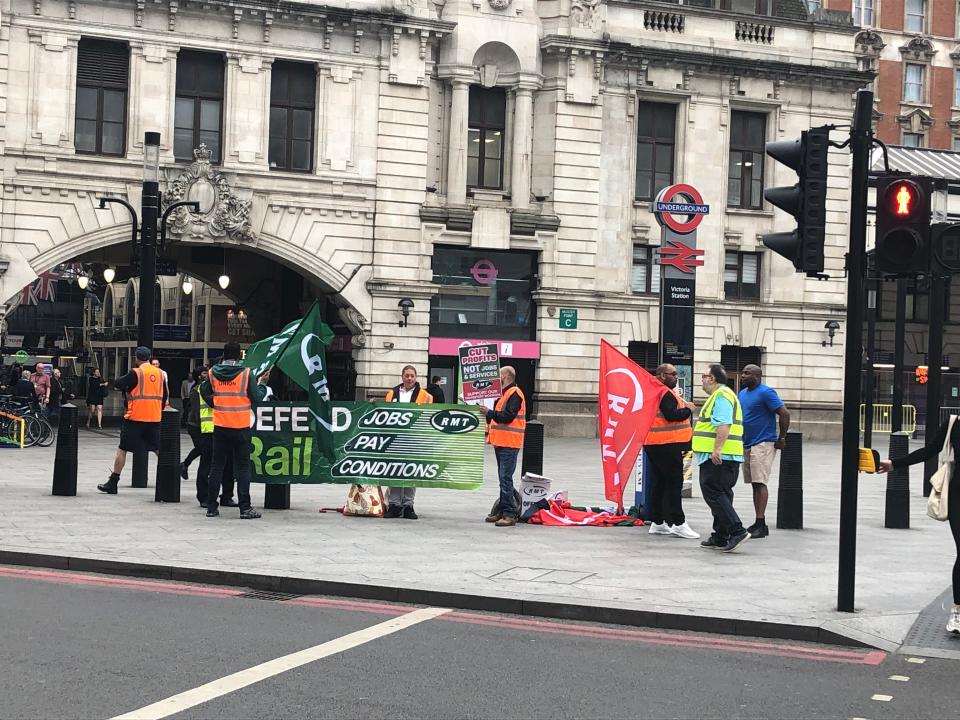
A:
[187,285]
[223,281]
[151,157]
[108,274]
[83,281]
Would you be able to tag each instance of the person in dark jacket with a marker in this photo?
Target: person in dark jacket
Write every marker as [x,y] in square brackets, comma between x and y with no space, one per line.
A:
[930,450]
[436,390]
[96,392]
[506,425]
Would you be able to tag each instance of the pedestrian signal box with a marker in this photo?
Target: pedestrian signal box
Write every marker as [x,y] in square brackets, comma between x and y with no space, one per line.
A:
[903,225]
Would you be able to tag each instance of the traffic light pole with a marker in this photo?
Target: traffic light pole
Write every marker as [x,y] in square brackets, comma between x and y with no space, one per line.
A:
[861,138]
[899,338]
[869,386]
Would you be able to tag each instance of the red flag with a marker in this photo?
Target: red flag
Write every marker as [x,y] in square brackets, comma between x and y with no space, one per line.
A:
[629,400]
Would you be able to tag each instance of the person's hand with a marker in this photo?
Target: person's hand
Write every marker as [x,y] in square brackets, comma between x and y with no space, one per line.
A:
[265,378]
[885,466]
[780,444]
[715,457]
[689,406]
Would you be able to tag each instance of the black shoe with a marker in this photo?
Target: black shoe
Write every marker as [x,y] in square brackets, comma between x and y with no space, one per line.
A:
[184,472]
[203,503]
[759,530]
[753,527]
[713,543]
[409,514]
[393,511]
[229,502]
[736,541]
[250,514]
[213,513]
[110,486]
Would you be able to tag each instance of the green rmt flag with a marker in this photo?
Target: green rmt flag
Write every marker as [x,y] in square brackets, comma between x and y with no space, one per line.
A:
[298,350]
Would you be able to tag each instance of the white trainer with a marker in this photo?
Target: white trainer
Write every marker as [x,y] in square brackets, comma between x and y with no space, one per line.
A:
[953,624]
[684,531]
[659,529]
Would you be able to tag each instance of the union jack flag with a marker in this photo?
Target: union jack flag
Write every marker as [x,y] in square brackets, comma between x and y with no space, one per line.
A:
[43,288]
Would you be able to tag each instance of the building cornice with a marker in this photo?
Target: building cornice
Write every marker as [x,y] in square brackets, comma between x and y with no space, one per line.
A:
[825,20]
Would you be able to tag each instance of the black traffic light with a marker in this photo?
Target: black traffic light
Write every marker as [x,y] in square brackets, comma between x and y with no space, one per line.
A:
[945,248]
[806,201]
[903,225]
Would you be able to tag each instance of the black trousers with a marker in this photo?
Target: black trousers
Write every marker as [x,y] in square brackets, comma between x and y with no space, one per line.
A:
[197,437]
[717,483]
[232,444]
[203,471]
[666,483]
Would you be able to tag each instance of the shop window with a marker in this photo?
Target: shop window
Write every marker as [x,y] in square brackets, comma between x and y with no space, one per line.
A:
[293,90]
[748,132]
[645,277]
[485,138]
[198,113]
[483,293]
[741,275]
[656,130]
[101,106]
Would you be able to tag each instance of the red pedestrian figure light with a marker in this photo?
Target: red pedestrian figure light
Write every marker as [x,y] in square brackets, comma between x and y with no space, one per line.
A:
[904,197]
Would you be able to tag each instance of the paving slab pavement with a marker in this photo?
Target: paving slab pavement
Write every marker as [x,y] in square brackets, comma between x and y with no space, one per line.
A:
[782,586]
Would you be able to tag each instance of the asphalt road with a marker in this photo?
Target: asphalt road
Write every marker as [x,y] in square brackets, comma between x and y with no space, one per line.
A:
[87,646]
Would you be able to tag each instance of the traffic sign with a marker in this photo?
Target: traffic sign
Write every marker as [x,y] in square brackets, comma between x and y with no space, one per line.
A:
[568,319]
[666,205]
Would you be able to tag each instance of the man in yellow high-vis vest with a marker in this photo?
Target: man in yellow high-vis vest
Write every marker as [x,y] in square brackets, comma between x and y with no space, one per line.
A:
[718,450]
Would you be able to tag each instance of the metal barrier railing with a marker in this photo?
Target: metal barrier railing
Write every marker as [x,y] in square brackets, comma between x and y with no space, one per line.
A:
[883,418]
[11,430]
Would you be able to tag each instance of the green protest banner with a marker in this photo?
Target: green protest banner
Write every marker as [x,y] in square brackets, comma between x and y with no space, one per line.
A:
[395,444]
[298,351]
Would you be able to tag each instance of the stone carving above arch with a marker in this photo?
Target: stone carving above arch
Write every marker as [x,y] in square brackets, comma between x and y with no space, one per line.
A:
[356,323]
[222,213]
[499,4]
[587,14]
[868,42]
[919,48]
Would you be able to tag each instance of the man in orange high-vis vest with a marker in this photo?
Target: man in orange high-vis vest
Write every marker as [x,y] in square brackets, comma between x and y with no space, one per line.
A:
[507,423]
[400,499]
[668,439]
[140,431]
[231,390]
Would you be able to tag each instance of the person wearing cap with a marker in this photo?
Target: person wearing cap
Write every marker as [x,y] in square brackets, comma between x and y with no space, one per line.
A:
[140,432]
[231,390]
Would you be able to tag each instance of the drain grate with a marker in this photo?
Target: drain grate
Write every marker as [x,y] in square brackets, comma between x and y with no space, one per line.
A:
[268,595]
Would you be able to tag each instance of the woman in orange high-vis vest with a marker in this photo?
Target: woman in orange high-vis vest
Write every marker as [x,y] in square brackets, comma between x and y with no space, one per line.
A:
[668,439]
[140,431]
[507,424]
[231,390]
[400,499]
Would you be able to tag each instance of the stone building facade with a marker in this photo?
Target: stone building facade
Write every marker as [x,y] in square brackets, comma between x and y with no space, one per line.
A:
[491,161]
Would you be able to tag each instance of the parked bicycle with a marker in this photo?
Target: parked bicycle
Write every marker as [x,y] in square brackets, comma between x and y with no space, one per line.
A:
[37,430]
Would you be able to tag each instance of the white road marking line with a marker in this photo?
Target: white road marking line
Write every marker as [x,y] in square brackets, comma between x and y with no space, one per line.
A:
[238,680]
[899,678]
[882,698]
[918,661]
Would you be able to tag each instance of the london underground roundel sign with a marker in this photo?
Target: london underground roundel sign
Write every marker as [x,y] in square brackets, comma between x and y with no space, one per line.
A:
[680,200]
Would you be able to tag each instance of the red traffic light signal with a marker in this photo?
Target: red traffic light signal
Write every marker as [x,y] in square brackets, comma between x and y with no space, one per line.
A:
[902,199]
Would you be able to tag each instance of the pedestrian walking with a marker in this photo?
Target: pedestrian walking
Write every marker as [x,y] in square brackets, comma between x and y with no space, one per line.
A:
[41,385]
[166,381]
[669,438]
[185,387]
[400,499]
[763,410]
[931,449]
[507,423]
[718,448]
[96,392]
[231,391]
[435,389]
[140,431]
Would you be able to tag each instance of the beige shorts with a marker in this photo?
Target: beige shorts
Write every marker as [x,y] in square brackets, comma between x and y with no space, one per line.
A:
[758,462]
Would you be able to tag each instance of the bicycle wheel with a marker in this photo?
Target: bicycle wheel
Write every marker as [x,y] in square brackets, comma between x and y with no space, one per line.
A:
[32,431]
[47,435]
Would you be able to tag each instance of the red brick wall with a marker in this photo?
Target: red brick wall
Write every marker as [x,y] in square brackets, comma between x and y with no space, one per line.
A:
[889,84]
[891,14]
[842,5]
[943,18]
[940,136]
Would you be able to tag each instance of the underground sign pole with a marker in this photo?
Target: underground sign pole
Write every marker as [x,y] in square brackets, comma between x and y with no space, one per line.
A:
[679,210]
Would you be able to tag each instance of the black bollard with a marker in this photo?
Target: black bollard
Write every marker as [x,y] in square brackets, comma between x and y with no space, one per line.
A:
[140,465]
[532,449]
[276,497]
[168,463]
[897,509]
[790,493]
[65,462]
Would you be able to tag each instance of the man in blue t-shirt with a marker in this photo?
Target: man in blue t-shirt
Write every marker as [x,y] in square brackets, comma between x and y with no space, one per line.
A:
[762,410]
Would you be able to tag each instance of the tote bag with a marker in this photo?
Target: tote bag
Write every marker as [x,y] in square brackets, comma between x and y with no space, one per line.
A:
[940,480]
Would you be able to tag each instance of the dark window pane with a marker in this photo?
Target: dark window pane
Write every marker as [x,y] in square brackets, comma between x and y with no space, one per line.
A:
[302,124]
[210,115]
[473,143]
[86,103]
[183,113]
[183,144]
[487,107]
[473,171]
[113,105]
[279,84]
[85,139]
[645,120]
[300,155]
[278,122]
[493,145]
[664,158]
[644,189]
[661,180]
[303,86]
[278,156]
[112,138]
[212,141]
[491,173]
[665,117]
